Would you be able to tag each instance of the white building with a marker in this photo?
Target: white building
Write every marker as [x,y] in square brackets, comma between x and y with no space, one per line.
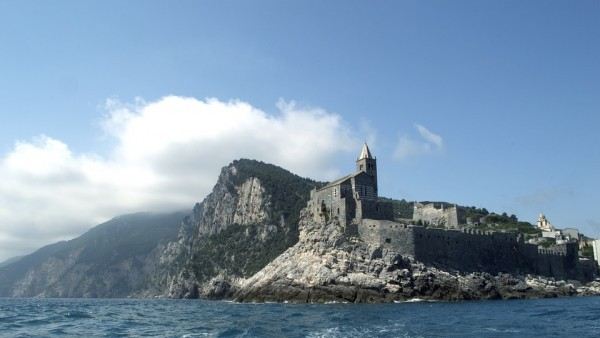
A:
[560,236]
[544,224]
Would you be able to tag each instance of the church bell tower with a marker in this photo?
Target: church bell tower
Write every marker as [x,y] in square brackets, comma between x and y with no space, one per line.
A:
[367,164]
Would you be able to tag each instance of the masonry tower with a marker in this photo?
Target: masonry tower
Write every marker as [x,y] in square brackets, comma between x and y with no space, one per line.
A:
[368,164]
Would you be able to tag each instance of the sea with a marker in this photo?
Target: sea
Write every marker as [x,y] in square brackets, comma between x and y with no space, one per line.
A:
[558,317]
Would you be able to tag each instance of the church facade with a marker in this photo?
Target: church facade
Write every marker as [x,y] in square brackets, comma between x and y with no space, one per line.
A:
[354,197]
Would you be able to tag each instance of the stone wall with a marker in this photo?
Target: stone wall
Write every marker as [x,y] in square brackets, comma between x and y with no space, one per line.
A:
[365,186]
[471,250]
[468,250]
[391,235]
[373,209]
[335,202]
[345,204]
[449,217]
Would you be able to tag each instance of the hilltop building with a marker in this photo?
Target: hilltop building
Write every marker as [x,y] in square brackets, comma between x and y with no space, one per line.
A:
[446,217]
[559,235]
[353,197]
[544,225]
[352,202]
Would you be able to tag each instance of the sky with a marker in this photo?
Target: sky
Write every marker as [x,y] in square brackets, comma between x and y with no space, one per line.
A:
[111,107]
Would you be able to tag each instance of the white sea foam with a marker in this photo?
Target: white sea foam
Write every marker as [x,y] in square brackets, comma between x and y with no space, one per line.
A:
[415,300]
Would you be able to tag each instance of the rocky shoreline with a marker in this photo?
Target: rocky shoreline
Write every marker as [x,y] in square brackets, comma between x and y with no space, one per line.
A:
[327,265]
[418,282]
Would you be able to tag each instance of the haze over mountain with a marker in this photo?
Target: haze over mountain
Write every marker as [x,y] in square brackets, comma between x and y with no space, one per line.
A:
[113,259]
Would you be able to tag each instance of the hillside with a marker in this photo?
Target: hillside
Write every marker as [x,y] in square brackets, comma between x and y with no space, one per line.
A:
[484,220]
[112,259]
[10,261]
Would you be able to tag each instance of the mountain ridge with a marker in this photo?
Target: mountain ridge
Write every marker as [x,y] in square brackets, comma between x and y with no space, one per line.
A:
[75,268]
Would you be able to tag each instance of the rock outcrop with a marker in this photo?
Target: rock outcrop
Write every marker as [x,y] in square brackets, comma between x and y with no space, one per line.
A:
[328,265]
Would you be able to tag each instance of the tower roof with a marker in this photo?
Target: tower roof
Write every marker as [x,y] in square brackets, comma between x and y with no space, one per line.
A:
[365,152]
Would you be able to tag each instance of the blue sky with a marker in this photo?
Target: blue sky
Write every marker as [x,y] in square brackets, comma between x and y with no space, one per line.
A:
[510,88]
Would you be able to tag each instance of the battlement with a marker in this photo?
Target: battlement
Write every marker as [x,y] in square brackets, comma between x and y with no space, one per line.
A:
[474,250]
[552,251]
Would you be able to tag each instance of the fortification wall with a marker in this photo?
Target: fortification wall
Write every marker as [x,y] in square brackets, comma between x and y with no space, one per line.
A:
[587,269]
[471,250]
[560,261]
[391,235]
[373,209]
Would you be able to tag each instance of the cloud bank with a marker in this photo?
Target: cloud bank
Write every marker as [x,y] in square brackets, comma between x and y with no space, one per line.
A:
[427,143]
[166,155]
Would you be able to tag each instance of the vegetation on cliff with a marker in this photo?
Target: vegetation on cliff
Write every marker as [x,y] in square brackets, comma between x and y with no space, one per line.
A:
[289,192]
[240,250]
[110,260]
[482,219]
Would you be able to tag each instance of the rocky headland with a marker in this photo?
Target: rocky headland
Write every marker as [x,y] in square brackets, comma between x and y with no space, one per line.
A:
[253,239]
[326,265]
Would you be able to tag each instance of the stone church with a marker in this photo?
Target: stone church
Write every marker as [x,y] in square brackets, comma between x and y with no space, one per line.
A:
[354,197]
[352,201]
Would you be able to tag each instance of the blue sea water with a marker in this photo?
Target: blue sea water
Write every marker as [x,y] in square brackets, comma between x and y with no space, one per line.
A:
[563,317]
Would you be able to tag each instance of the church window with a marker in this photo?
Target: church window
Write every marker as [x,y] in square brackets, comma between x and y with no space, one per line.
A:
[338,210]
[361,167]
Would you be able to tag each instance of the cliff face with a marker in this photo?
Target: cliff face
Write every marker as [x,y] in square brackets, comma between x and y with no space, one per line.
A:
[329,265]
[250,218]
[233,203]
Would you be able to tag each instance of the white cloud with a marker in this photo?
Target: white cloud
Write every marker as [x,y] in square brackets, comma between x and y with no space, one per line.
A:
[430,137]
[428,143]
[167,155]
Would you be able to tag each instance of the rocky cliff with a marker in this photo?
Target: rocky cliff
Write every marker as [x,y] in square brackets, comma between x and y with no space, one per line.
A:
[249,219]
[328,265]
